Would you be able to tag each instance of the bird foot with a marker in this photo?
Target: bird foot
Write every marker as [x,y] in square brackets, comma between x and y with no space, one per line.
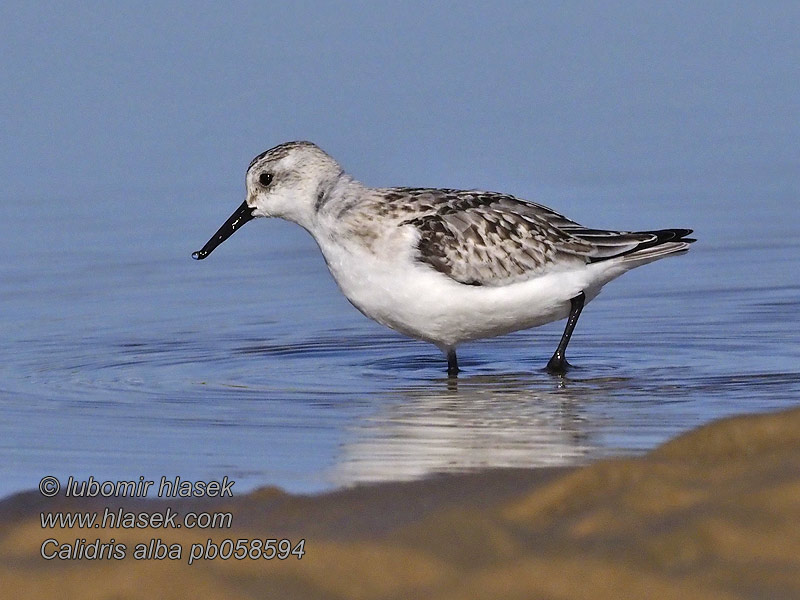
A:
[558,365]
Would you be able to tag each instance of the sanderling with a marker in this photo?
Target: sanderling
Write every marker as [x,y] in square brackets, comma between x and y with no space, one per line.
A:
[443,265]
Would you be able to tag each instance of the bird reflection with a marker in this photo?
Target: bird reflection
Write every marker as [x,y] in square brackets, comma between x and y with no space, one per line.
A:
[472,423]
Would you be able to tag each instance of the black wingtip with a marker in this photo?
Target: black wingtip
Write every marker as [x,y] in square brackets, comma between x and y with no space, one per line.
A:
[660,236]
[670,235]
[667,235]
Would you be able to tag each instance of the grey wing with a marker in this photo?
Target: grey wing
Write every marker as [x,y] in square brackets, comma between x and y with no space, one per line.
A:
[482,238]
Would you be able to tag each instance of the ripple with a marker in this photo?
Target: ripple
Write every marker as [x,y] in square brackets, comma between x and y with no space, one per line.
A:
[115,363]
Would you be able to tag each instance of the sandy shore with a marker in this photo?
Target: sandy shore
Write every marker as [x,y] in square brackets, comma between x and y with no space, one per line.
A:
[714,513]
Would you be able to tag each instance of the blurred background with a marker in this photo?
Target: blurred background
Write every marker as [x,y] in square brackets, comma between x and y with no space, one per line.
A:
[179,96]
[126,131]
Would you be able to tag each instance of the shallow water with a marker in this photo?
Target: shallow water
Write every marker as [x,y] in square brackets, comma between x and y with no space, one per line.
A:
[123,357]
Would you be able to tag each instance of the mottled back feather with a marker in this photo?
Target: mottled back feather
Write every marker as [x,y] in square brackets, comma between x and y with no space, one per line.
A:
[492,239]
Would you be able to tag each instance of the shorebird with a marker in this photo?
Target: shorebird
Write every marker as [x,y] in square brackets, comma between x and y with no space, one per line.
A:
[443,265]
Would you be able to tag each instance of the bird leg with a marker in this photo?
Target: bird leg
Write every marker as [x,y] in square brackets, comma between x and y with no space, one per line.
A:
[558,364]
[452,363]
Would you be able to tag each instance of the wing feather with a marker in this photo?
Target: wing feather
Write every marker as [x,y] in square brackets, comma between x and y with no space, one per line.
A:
[486,238]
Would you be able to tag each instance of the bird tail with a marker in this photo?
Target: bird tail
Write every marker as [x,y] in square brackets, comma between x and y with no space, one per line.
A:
[661,243]
[633,248]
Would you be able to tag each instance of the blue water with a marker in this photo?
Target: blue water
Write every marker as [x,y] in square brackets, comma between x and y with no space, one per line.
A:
[123,357]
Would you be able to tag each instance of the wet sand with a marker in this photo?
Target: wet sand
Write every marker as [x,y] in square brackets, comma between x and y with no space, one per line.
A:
[714,513]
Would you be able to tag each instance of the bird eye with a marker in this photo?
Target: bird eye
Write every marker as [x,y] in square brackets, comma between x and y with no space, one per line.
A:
[265,179]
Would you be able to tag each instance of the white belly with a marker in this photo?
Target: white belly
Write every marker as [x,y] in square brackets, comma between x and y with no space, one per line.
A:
[418,301]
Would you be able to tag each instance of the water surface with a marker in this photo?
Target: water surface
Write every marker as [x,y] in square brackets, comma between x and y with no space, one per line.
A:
[123,357]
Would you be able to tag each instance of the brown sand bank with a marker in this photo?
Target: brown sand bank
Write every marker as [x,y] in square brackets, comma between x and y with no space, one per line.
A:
[714,513]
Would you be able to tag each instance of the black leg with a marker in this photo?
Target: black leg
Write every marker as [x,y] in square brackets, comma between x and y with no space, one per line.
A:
[452,363]
[558,363]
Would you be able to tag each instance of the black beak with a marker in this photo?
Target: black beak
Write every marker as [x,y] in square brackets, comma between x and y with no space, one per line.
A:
[242,215]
